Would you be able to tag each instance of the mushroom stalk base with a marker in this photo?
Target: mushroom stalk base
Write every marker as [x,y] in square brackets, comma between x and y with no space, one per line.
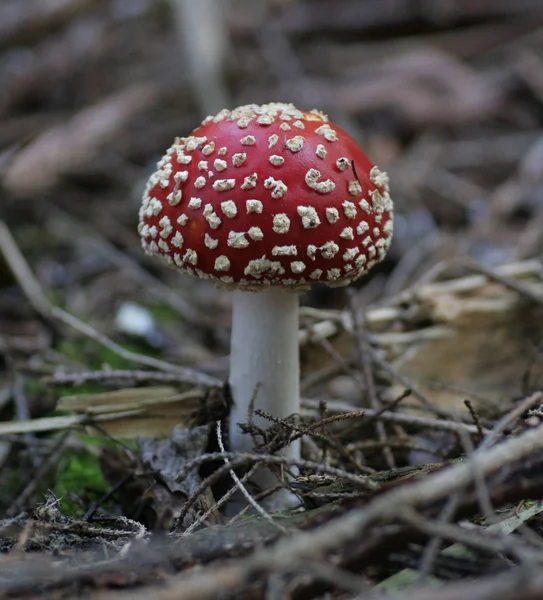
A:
[264,363]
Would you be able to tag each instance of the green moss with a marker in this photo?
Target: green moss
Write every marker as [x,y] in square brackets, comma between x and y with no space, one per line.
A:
[79,475]
[163,313]
[87,388]
[33,387]
[94,356]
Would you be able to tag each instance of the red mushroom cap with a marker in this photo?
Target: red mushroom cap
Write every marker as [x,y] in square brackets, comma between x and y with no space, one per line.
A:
[268,195]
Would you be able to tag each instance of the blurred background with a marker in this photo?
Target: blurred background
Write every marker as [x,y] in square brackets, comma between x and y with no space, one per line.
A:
[446,95]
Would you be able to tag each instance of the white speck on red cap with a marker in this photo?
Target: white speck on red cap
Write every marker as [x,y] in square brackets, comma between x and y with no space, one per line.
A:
[237,239]
[193,142]
[360,260]
[180,176]
[166,227]
[324,187]
[349,209]
[211,216]
[350,253]
[220,164]
[210,242]
[355,188]
[329,250]
[264,119]
[177,240]
[190,256]
[281,223]
[254,206]
[229,208]
[332,215]
[284,250]
[164,246]
[330,135]
[174,198]
[343,163]
[295,144]
[155,206]
[347,233]
[239,158]
[310,218]
[208,149]
[256,234]
[276,160]
[249,182]
[222,263]
[365,205]
[277,186]
[224,185]
[387,229]
[362,228]
[379,178]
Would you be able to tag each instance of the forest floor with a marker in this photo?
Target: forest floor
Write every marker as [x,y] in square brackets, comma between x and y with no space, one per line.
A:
[422,384]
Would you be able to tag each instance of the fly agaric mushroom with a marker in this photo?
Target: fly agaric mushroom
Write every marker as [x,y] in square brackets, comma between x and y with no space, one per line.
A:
[267,199]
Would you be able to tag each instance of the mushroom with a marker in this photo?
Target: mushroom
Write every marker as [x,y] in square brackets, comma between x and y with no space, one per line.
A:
[267,200]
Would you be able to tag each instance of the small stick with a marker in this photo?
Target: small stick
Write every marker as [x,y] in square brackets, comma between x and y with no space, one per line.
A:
[23,274]
[438,424]
[508,282]
[431,551]
[475,418]
[510,418]
[95,505]
[241,487]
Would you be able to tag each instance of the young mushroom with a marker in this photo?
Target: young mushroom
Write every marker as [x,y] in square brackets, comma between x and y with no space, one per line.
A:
[267,200]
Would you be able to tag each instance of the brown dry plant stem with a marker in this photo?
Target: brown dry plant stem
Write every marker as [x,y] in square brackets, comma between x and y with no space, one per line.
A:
[297,432]
[510,418]
[393,417]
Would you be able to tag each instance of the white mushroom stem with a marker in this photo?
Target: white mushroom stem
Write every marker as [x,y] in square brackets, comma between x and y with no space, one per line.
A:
[264,363]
